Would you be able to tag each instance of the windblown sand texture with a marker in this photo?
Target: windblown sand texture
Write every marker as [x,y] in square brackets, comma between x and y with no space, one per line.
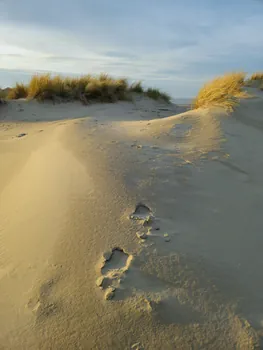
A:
[135,225]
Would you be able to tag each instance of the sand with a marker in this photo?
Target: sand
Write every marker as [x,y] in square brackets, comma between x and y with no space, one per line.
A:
[131,226]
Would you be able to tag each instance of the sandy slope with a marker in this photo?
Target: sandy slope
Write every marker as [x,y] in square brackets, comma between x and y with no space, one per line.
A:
[67,192]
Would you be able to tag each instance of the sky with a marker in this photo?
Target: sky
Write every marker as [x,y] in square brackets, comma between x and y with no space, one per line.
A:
[174,45]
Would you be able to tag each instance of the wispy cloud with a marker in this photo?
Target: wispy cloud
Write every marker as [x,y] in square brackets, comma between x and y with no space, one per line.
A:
[173,44]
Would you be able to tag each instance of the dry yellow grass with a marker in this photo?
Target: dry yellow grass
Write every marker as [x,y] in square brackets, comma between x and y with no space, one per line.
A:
[102,88]
[223,91]
[257,76]
[255,80]
[45,87]
[19,91]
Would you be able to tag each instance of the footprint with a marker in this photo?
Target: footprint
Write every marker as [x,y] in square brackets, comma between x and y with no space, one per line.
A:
[42,303]
[115,264]
[116,261]
[142,212]
[145,215]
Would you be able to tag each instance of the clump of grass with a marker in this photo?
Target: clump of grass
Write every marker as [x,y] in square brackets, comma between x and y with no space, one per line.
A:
[156,94]
[223,91]
[102,88]
[106,89]
[137,87]
[257,76]
[77,86]
[255,80]
[19,91]
[45,87]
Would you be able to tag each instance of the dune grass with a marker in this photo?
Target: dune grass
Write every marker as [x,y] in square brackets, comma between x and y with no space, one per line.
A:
[258,79]
[156,94]
[255,80]
[223,91]
[137,87]
[19,91]
[87,88]
[257,76]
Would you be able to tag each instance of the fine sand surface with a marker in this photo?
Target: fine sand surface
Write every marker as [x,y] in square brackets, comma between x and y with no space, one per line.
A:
[131,226]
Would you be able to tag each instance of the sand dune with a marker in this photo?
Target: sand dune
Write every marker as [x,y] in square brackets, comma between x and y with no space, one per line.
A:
[130,226]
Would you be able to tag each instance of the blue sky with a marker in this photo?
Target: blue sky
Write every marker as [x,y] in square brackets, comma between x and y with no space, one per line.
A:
[171,44]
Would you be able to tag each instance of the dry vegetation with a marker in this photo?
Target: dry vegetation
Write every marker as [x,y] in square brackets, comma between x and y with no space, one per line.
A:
[19,91]
[257,76]
[137,87]
[223,91]
[102,88]
[255,80]
[156,94]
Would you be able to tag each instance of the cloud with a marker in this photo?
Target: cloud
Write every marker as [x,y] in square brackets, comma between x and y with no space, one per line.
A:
[120,54]
[10,55]
[158,43]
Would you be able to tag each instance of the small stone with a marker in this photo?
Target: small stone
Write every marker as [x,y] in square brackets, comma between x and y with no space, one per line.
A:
[110,292]
[21,135]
